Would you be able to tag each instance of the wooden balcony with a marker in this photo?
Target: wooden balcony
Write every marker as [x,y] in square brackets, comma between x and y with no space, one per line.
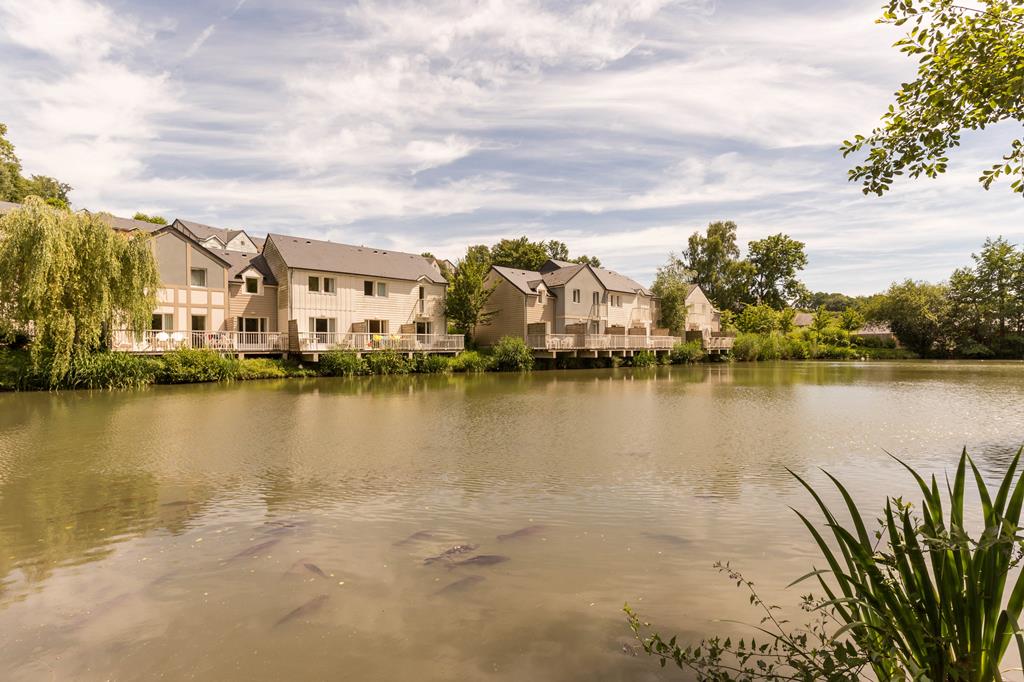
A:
[367,342]
[156,342]
[595,342]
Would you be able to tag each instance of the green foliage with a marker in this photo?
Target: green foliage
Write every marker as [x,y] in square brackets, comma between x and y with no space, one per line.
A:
[511,354]
[851,320]
[471,361]
[776,262]
[155,219]
[672,286]
[919,598]
[713,259]
[16,188]
[757,319]
[196,365]
[339,363]
[833,302]
[520,253]
[916,313]
[250,369]
[108,370]
[644,358]
[687,352]
[968,77]
[469,292]
[68,277]
[387,362]
[430,363]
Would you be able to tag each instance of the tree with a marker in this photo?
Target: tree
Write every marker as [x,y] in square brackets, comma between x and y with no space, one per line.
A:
[592,261]
[997,276]
[469,293]
[68,277]
[671,287]
[557,250]
[155,219]
[851,320]
[776,260]
[520,253]
[834,302]
[14,187]
[969,76]
[714,259]
[757,319]
[917,313]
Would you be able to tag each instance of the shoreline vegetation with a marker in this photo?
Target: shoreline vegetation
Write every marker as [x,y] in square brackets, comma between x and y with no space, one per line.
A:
[123,371]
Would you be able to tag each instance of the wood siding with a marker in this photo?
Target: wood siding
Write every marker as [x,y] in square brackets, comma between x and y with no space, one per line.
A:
[243,304]
[280,270]
[700,314]
[510,304]
[175,257]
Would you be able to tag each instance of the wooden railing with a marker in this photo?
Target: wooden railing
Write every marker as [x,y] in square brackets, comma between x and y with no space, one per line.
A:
[368,341]
[718,343]
[156,341]
[599,342]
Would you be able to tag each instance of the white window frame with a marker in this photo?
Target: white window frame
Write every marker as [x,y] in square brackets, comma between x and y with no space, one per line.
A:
[251,278]
[328,285]
[596,296]
[576,296]
[382,327]
[313,284]
[382,289]
[192,324]
[166,322]
[262,324]
[192,278]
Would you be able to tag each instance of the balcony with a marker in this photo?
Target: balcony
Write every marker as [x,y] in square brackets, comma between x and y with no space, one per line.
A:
[157,342]
[556,342]
[318,342]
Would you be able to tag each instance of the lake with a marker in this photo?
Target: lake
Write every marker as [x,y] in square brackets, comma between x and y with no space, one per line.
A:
[268,530]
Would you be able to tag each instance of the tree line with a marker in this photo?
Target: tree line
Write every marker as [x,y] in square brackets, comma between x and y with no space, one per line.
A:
[15,187]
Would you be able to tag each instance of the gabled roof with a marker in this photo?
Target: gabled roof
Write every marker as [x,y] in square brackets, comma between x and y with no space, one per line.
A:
[127,224]
[803,319]
[613,281]
[240,262]
[201,231]
[557,278]
[526,281]
[551,264]
[314,254]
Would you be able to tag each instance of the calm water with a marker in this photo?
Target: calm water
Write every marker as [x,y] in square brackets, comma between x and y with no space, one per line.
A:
[175,531]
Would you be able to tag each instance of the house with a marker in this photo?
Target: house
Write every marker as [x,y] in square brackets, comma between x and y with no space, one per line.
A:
[577,307]
[335,295]
[877,333]
[803,319]
[252,292]
[220,238]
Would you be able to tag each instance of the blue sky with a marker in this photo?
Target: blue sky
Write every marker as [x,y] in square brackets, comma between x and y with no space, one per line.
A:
[618,126]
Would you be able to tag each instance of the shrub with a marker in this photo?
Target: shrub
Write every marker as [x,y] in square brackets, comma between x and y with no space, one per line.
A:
[261,368]
[644,358]
[111,370]
[470,361]
[425,363]
[339,363]
[757,319]
[387,362]
[747,347]
[511,354]
[686,352]
[195,365]
[16,372]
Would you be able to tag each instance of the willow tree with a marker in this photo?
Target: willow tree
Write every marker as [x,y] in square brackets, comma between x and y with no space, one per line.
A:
[65,278]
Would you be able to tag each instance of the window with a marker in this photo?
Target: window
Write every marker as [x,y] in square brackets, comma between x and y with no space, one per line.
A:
[252,285]
[252,324]
[377,326]
[328,285]
[597,297]
[162,322]
[314,284]
[382,288]
[575,295]
[367,288]
[540,296]
[322,328]
[423,293]
[199,323]
[423,328]
[198,278]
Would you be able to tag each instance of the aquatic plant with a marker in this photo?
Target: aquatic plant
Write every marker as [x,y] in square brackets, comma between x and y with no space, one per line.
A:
[686,352]
[430,363]
[470,361]
[196,365]
[108,370]
[387,362]
[644,358]
[917,599]
[337,363]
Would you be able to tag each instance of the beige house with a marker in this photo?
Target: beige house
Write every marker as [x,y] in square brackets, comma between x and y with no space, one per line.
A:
[336,295]
[582,309]
[219,238]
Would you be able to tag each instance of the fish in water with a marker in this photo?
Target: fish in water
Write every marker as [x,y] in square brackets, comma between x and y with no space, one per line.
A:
[668,538]
[254,550]
[314,569]
[482,560]
[461,585]
[449,553]
[307,609]
[415,537]
[521,533]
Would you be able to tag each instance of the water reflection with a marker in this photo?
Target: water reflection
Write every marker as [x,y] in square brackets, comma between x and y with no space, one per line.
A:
[127,520]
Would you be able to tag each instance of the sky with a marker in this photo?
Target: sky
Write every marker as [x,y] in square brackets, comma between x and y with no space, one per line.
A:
[617,126]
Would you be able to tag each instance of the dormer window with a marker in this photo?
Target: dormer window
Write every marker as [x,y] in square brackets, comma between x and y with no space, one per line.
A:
[252,285]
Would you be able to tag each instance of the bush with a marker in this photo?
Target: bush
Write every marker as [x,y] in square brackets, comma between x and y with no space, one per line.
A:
[194,365]
[644,358]
[686,352]
[424,363]
[757,319]
[387,362]
[747,347]
[511,354]
[111,370]
[16,372]
[470,361]
[261,368]
[341,363]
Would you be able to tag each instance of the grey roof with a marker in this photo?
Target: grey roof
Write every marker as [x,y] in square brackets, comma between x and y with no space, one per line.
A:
[524,280]
[557,278]
[127,224]
[8,206]
[314,254]
[803,319]
[240,262]
[613,281]
[874,329]
[206,231]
